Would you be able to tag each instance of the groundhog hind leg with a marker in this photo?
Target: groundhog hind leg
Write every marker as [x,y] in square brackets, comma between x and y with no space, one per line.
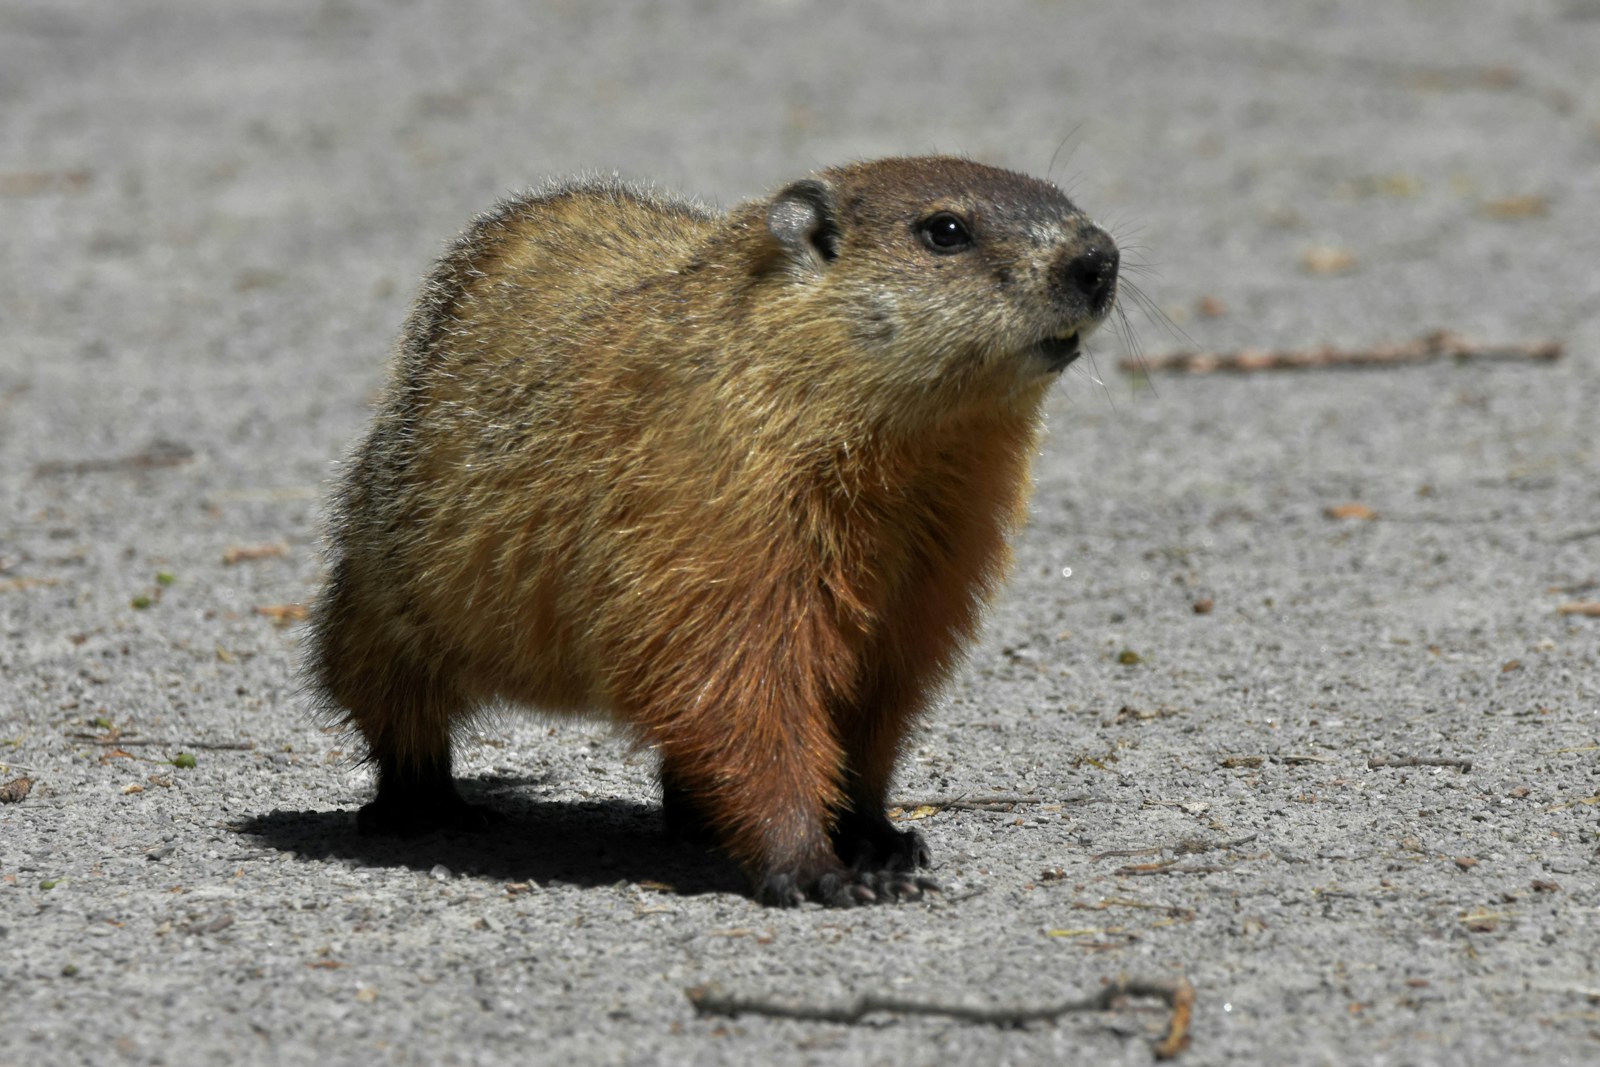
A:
[419,796]
[406,721]
[404,712]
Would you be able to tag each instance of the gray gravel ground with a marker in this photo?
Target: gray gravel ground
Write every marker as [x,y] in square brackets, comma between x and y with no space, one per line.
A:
[213,216]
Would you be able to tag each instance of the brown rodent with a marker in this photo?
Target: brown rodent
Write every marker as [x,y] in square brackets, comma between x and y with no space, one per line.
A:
[741,482]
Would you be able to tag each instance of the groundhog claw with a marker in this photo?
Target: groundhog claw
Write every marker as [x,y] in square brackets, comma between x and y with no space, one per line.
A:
[897,886]
[780,891]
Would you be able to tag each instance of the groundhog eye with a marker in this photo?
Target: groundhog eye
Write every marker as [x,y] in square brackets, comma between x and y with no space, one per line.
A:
[945,233]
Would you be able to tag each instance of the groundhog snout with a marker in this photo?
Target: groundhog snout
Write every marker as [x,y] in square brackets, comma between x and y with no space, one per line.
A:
[1088,274]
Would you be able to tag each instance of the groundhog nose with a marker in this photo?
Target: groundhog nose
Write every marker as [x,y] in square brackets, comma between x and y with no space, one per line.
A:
[1092,273]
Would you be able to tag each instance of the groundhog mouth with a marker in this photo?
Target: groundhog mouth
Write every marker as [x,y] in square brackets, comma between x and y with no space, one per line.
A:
[1057,352]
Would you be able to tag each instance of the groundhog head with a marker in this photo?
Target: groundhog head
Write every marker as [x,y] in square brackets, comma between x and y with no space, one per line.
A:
[952,273]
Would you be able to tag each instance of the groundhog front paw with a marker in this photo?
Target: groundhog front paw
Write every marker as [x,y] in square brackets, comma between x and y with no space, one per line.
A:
[871,843]
[906,850]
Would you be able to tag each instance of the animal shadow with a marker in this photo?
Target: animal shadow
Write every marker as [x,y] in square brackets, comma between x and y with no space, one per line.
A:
[586,843]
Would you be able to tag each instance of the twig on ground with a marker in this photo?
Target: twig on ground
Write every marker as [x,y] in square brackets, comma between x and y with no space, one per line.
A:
[1441,344]
[160,453]
[124,742]
[1418,761]
[1581,607]
[1177,994]
[979,802]
[282,614]
[240,553]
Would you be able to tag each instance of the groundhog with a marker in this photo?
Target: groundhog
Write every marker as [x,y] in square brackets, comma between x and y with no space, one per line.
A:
[741,482]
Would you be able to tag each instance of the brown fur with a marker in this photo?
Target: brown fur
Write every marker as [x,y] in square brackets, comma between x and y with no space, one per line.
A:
[742,483]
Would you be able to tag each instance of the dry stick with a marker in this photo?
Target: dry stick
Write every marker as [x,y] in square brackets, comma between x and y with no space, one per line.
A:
[159,454]
[123,742]
[1580,607]
[1418,761]
[1177,994]
[1441,344]
[282,613]
[968,802]
[241,553]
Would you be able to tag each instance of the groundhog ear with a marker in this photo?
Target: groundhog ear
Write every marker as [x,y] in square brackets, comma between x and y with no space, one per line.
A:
[802,219]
